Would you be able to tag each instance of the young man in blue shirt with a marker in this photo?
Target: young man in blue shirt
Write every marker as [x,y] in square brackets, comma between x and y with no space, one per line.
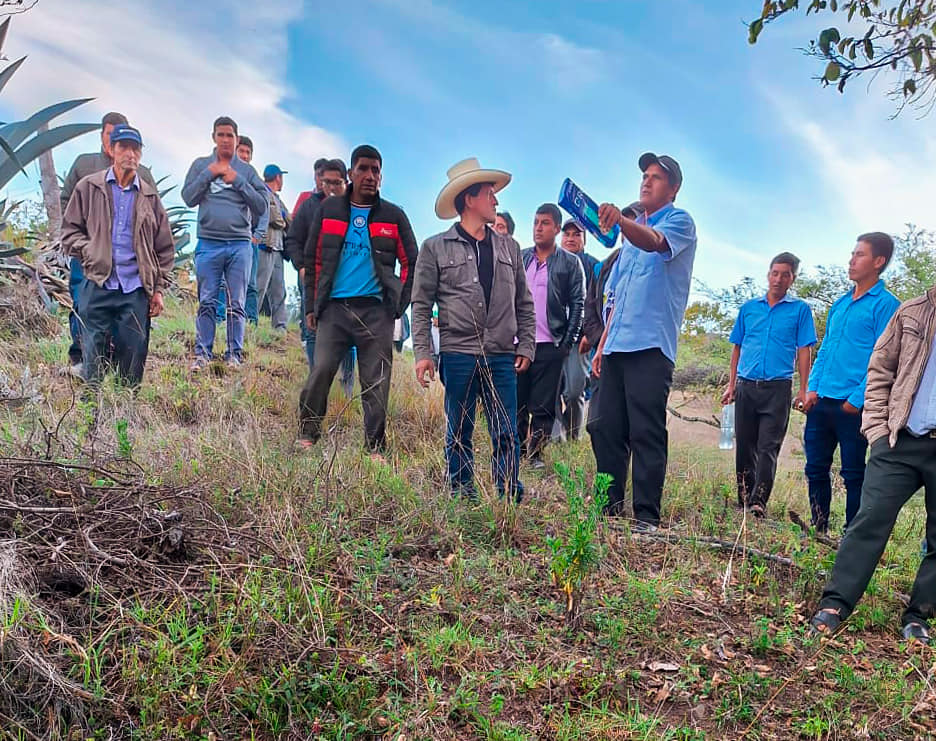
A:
[837,382]
[647,293]
[771,334]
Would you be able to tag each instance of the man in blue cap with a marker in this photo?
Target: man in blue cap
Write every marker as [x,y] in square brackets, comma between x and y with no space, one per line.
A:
[116,226]
[270,283]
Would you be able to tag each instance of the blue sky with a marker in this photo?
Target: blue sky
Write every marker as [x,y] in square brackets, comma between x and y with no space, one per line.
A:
[544,90]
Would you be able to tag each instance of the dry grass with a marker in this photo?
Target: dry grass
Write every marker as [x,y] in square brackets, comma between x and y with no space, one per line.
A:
[323,595]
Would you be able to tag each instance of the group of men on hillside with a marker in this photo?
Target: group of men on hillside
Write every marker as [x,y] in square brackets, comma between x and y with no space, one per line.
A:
[516,326]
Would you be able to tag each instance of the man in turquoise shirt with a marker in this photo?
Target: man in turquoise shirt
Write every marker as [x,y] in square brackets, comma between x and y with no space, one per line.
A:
[837,381]
[771,334]
[647,293]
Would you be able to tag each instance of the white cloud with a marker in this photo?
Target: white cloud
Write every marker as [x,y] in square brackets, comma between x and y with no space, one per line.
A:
[172,68]
[875,172]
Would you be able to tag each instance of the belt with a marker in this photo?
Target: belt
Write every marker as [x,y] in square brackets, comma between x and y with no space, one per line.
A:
[772,382]
[358,300]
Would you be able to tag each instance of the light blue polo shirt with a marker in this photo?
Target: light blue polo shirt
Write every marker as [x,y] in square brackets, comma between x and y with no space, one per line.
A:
[852,328]
[769,337]
[355,276]
[648,291]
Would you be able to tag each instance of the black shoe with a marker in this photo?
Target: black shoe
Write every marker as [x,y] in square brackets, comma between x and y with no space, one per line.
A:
[537,463]
[643,527]
[825,622]
[916,632]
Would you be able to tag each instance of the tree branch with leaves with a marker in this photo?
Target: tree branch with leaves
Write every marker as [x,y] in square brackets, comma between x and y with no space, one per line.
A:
[896,38]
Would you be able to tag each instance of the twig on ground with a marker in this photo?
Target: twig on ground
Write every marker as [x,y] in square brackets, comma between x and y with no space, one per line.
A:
[819,537]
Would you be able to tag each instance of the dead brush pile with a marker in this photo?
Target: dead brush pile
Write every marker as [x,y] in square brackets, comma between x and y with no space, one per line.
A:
[77,541]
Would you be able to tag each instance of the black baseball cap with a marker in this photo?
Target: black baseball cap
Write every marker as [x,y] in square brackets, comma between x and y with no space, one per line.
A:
[669,165]
[573,223]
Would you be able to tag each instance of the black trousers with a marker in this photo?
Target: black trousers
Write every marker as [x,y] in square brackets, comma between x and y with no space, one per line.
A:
[119,317]
[762,413]
[365,323]
[893,476]
[629,417]
[537,394]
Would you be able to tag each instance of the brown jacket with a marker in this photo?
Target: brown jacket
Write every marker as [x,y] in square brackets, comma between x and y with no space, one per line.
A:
[896,368]
[446,274]
[88,224]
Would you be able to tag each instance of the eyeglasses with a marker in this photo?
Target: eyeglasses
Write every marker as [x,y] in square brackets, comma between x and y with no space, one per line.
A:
[332,183]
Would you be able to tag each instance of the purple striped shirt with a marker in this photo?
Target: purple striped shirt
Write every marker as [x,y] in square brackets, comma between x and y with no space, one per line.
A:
[125,274]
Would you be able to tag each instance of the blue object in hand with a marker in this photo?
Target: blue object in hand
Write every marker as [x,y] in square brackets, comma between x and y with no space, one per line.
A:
[584,210]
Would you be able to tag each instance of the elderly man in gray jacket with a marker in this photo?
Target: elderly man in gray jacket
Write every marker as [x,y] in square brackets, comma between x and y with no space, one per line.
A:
[487,325]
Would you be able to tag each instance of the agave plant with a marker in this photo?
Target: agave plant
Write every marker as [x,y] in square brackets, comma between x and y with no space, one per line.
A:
[19,140]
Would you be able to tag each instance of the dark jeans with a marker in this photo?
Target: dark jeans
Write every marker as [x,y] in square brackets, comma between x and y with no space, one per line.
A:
[251,307]
[628,416]
[537,394]
[75,281]
[828,425]
[762,413]
[494,378]
[367,324]
[118,316]
[893,476]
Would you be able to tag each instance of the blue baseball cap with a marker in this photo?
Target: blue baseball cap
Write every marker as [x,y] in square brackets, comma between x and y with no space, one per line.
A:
[271,171]
[125,133]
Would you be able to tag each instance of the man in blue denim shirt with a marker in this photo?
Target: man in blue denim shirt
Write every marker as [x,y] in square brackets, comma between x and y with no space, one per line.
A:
[647,293]
[771,336]
[837,382]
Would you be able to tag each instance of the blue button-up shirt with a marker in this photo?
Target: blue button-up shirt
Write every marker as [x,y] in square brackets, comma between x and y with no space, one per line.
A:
[769,337]
[647,291]
[922,417]
[852,328]
[125,274]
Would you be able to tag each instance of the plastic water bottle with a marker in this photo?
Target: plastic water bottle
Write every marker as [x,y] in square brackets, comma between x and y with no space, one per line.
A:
[584,210]
[726,441]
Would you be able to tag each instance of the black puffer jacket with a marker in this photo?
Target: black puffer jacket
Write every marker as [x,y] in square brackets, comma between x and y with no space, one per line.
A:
[392,241]
[565,295]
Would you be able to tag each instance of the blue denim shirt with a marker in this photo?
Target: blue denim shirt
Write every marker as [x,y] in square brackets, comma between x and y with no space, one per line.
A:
[647,291]
[769,337]
[852,328]
[922,417]
[125,275]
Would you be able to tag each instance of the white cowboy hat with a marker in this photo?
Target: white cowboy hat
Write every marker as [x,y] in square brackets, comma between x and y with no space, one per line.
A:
[463,175]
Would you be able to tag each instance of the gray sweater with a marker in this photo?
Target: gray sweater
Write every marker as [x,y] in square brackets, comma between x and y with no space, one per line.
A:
[225,211]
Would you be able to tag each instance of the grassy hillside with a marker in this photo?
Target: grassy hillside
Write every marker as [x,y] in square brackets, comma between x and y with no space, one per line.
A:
[172,567]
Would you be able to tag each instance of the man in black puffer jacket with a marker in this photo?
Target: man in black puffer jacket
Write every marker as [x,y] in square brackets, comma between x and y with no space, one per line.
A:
[557,283]
[353,294]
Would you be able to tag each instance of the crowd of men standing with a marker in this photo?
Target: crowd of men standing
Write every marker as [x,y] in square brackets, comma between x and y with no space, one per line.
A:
[526,330]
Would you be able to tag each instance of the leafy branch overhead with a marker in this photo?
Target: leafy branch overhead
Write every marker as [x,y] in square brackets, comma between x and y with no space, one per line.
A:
[890,37]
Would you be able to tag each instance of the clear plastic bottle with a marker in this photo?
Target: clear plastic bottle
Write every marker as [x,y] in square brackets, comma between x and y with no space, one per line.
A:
[726,441]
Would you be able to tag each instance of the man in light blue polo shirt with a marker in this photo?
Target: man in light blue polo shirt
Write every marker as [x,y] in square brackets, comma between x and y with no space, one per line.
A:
[837,382]
[647,293]
[771,334]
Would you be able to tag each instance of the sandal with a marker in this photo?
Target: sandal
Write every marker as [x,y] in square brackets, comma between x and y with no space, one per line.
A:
[826,621]
[916,632]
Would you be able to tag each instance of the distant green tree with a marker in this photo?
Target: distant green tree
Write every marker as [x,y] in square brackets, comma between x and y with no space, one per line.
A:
[896,38]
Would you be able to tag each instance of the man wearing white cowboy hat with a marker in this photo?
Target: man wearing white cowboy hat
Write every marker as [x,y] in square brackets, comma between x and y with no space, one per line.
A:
[476,278]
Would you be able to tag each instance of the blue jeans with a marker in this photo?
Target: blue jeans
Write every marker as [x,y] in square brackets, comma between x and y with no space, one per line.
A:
[75,281]
[217,261]
[250,305]
[494,378]
[828,425]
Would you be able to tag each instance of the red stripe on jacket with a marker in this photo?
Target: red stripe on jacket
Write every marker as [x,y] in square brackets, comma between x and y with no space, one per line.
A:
[392,231]
[331,227]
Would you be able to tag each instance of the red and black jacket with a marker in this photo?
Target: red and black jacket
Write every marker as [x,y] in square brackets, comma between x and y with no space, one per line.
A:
[392,241]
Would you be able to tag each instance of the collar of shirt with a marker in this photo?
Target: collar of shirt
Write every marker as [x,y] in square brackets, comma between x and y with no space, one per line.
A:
[786,298]
[111,177]
[486,240]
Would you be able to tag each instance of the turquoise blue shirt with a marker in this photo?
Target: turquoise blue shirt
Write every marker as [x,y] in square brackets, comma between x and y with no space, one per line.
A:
[852,328]
[769,337]
[356,276]
[647,291]
[922,417]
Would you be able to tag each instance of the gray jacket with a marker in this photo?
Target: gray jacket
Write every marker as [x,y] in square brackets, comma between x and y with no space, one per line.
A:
[447,275]
[225,211]
[90,163]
